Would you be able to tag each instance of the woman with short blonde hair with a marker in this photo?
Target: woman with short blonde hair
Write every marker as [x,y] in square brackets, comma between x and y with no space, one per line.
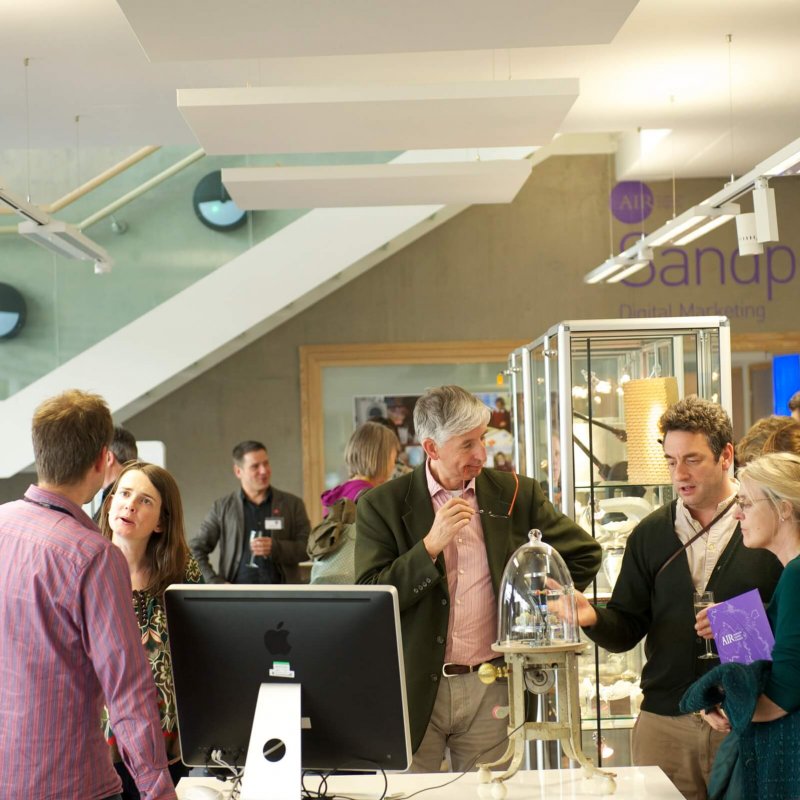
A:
[769,515]
[370,456]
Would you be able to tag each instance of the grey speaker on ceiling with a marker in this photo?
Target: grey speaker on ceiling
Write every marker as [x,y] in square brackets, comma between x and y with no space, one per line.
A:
[13,311]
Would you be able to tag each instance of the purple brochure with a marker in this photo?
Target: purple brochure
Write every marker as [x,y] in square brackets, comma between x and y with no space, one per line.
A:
[741,629]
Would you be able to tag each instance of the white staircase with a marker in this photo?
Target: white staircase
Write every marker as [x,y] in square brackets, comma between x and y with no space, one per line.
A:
[229,308]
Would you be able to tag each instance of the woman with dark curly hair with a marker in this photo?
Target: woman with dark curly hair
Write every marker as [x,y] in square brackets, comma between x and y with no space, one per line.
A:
[143,516]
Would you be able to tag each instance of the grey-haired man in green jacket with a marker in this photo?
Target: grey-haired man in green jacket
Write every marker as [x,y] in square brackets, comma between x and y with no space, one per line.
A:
[442,535]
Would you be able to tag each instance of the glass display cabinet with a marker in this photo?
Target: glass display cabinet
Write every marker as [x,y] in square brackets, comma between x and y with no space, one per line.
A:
[587,398]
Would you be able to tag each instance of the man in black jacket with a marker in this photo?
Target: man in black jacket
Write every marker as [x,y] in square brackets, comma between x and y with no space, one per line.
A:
[653,595]
[261,531]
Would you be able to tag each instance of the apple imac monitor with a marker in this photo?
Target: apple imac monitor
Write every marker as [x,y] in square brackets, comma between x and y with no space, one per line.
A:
[340,645]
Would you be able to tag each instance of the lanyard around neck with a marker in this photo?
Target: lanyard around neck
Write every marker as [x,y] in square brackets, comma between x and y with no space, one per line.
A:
[694,538]
[51,506]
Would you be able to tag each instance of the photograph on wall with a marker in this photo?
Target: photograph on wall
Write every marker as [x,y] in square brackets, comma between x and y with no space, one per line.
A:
[399,410]
[500,436]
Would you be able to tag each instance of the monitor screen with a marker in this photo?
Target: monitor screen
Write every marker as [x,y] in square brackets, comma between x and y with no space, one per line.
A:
[341,644]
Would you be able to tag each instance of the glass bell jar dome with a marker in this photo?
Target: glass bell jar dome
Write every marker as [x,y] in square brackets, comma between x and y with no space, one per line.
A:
[536,604]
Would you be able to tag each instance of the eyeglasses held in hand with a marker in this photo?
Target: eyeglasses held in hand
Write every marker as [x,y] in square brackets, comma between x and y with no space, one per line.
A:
[511,505]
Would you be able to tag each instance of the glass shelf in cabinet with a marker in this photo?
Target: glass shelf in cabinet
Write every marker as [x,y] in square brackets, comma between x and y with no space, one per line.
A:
[619,485]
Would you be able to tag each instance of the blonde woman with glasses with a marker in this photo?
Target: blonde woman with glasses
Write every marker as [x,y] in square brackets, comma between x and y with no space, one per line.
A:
[760,701]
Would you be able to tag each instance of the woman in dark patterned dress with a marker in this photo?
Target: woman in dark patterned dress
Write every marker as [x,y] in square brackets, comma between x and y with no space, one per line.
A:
[143,516]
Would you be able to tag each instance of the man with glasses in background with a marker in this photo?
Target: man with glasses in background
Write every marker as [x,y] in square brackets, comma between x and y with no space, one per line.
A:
[691,545]
[442,535]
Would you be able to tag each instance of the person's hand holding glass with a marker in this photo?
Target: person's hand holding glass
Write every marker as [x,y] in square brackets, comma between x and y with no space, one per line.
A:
[260,545]
[702,600]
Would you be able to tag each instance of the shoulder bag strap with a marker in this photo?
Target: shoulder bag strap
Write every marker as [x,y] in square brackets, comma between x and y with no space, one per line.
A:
[694,538]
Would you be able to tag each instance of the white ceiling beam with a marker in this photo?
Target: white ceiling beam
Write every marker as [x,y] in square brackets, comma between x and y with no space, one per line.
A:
[291,119]
[465,183]
[183,30]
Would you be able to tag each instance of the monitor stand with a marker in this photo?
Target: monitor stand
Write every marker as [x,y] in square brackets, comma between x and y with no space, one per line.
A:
[272,770]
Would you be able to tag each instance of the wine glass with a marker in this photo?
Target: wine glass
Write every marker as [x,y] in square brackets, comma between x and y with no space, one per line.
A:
[255,534]
[704,600]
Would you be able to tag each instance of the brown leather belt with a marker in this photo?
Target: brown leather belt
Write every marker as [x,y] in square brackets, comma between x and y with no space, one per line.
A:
[449,670]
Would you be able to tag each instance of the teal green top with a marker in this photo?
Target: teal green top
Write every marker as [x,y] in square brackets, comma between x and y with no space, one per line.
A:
[783,686]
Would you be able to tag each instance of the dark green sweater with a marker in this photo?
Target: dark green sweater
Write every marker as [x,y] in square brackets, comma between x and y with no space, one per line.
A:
[662,608]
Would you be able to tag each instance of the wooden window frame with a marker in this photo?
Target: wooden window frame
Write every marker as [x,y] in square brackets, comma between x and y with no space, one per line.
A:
[315,358]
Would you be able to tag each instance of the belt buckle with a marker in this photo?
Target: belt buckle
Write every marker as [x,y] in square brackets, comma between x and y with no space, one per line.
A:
[464,669]
[444,669]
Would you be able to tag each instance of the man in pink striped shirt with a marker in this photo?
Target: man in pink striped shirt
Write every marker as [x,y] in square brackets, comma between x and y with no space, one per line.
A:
[68,635]
[442,535]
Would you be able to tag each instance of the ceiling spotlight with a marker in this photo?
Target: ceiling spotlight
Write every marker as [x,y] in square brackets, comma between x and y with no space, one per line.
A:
[746,234]
[765,211]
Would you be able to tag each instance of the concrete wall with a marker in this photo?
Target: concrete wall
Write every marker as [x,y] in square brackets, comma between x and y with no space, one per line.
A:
[493,272]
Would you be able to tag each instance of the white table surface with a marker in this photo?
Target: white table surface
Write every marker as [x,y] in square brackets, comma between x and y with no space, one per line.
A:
[633,783]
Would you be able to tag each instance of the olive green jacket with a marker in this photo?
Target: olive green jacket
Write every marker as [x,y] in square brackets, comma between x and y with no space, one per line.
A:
[392,521]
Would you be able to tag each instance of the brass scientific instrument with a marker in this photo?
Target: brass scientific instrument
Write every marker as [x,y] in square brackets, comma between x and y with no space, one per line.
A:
[538,637]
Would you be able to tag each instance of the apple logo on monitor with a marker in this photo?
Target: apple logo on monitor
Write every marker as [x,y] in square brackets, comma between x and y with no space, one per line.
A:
[277,640]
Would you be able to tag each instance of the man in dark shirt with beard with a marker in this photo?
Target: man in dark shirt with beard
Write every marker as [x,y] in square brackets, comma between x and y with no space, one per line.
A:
[261,531]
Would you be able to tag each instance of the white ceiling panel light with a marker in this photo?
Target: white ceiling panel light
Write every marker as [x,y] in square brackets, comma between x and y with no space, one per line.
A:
[608,268]
[67,241]
[185,30]
[465,183]
[58,237]
[715,217]
[680,224]
[315,119]
[644,255]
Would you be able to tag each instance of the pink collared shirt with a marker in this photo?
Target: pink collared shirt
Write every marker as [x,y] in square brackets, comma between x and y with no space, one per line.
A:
[69,640]
[472,625]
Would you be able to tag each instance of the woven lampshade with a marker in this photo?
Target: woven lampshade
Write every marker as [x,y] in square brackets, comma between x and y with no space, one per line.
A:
[645,401]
